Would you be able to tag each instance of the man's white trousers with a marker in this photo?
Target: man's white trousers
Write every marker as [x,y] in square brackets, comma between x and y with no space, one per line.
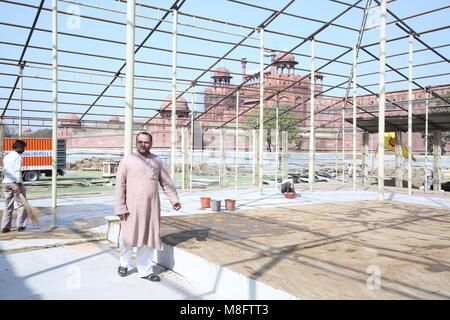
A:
[144,258]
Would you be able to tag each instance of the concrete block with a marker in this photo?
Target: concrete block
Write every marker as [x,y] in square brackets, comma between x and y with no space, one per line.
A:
[113,231]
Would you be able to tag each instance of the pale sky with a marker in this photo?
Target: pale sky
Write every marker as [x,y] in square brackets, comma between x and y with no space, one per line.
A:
[323,10]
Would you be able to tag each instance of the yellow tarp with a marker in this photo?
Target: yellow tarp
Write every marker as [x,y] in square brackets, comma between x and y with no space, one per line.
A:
[389,143]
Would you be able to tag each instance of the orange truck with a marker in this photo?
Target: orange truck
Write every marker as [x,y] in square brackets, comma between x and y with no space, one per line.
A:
[37,158]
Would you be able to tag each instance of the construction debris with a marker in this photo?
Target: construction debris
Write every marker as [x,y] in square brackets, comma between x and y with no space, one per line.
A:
[91,164]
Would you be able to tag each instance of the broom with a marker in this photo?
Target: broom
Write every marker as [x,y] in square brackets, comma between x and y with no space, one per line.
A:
[32,212]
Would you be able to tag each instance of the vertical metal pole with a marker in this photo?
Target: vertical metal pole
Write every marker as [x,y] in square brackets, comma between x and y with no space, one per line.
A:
[173,132]
[365,158]
[437,160]
[354,117]
[343,145]
[311,175]
[54,108]
[222,158]
[398,160]
[2,146]
[277,138]
[426,142]
[382,102]
[129,80]
[236,143]
[261,109]
[337,151]
[183,158]
[192,139]
[21,100]
[284,155]
[255,155]
[410,97]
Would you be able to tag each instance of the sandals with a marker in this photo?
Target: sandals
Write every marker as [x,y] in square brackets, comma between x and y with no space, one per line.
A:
[122,271]
[152,277]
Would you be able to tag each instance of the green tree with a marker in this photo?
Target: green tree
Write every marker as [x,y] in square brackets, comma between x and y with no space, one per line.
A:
[10,131]
[42,133]
[286,121]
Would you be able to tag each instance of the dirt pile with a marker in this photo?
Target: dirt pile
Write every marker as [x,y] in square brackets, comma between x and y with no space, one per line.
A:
[91,164]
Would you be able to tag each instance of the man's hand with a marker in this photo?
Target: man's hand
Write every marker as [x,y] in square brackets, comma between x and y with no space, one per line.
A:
[17,188]
[124,216]
[176,206]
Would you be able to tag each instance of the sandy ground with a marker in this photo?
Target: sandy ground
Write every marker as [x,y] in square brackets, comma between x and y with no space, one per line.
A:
[343,250]
[316,249]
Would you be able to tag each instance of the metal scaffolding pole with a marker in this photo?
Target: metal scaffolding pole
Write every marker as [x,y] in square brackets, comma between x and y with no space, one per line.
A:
[426,185]
[354,116]
[21,99]
[174,94]
[337,151]
[191,162]
[437,136]
[382,100]
[277,138]
[343,145]
[236,143]
[311,175]
[255,156]
[261,109]
[222,158]
[410,97]
[183,157]
[398,160]
[365,158]
[284,155]
[54,108]
[129,82]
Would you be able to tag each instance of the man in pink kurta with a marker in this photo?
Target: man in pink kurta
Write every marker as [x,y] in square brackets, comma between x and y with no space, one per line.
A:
[139,208]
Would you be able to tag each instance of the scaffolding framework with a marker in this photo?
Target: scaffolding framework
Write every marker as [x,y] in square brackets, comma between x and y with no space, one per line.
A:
[171,60]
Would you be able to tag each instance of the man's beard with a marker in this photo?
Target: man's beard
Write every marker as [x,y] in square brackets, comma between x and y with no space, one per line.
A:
[145,152]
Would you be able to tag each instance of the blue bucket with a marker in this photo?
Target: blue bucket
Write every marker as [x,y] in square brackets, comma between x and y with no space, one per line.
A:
[215,205]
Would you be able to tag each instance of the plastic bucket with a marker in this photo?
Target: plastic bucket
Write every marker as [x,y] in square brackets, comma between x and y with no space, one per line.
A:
[229,204]
[215,205]
[205,202]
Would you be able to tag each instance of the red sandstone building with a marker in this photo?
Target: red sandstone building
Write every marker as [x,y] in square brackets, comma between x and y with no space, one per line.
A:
[220,99]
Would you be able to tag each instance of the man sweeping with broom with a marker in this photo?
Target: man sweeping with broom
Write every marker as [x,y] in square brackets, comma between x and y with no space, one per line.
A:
[14,189]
